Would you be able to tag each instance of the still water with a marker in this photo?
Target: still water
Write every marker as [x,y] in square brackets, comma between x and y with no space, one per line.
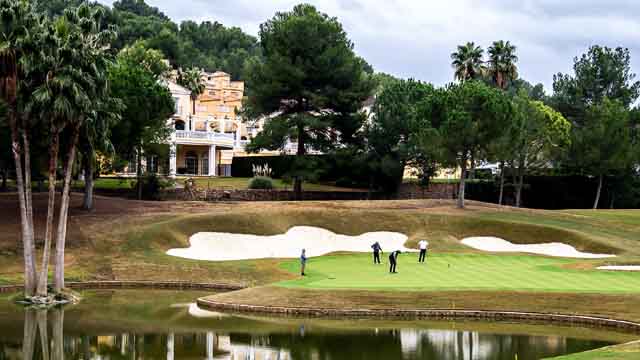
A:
[141,324]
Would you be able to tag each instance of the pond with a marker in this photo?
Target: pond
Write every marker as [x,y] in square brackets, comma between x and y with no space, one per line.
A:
[150,324]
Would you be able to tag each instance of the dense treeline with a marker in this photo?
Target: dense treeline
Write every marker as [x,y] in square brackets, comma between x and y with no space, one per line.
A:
[207,45]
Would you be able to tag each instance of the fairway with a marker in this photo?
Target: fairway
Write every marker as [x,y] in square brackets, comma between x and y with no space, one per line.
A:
[460,272]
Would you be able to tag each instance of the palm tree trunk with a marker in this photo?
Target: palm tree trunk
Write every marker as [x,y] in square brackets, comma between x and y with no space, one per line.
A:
[63,214]
[501,183]
[463,174]
[51,203]
[598,192]
[28,185]
[297,185]
[87,202]
[27,233]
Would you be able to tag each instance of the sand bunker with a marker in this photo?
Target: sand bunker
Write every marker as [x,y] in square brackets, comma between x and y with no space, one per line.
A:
[494,244]
[216,246]
[620,267]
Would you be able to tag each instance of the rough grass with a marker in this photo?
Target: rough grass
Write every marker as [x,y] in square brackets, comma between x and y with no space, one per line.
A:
[450,272]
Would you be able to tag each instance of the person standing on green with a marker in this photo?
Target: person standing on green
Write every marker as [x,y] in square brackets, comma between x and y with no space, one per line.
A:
[377,249]
[303,262]
[422,244]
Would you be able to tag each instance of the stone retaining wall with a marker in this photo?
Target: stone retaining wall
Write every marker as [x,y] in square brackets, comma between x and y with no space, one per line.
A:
[444,314]
[406,191]
[433,191]
[177,285]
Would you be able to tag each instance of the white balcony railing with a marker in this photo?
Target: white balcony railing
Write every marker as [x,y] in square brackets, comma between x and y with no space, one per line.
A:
[203,135]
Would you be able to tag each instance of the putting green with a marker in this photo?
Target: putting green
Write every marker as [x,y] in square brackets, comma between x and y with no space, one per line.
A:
[459,272]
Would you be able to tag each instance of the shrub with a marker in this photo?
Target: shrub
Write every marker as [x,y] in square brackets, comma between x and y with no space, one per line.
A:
[261,182]
[152,186]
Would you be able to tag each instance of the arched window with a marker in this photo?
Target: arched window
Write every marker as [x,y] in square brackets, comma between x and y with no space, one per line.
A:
[179,125]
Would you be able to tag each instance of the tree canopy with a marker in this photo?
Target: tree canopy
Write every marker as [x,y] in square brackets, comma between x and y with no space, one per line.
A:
[310,84]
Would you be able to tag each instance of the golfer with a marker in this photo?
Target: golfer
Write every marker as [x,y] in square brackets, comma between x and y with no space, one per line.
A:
[422,244]
[393,260]
[303,262]
[377,249]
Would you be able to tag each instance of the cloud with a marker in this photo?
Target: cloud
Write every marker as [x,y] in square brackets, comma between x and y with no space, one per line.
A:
[412,38]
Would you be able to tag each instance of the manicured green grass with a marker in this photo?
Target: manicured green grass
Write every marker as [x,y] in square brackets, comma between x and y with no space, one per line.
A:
[447,272]
[629,351]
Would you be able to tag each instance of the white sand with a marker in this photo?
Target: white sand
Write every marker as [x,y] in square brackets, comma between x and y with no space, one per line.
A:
[494,244]
[620,267]
[216,246]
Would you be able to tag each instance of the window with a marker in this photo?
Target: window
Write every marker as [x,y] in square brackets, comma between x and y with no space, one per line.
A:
[179,125]
[223,108]
[152,164]
[205,165]
[191,163]
[176,108]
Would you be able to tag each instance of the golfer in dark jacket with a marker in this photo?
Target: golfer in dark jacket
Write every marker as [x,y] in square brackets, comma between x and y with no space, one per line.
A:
[303,261]
[377,249]
[393,259]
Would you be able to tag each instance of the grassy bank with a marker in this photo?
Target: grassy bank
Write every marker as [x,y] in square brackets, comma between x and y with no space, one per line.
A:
[628,351]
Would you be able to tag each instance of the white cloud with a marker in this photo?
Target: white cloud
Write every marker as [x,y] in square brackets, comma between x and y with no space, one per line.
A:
[413,38]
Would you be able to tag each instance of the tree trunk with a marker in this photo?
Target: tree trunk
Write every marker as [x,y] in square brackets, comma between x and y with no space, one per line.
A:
[463,174]
[87,202]
[51,203]
[27,237]
[520,184]
[297,185]
[519,191]
[599,191]
[501,183]
[472,167]
[139,173]
[3,187]
[63,213]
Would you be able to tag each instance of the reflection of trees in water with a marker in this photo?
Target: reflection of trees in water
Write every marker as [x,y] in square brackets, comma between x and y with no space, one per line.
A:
[44,339]
[35,341]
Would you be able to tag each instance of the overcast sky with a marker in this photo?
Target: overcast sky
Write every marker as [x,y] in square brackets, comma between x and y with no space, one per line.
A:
[414,38]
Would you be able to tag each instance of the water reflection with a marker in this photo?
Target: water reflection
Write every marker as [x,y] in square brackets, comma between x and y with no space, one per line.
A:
[300,344]
[169,332]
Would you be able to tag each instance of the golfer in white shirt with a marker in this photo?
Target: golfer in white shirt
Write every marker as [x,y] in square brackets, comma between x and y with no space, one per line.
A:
[422,244]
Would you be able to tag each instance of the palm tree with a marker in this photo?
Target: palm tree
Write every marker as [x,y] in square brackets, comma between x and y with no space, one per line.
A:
[16,19]
[467,62]
[192,80]
[85,77]
[502,63]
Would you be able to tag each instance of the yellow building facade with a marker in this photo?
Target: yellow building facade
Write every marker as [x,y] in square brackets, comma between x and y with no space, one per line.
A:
[204,141]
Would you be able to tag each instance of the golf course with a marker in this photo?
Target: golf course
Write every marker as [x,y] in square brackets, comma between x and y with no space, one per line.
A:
[128,240]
